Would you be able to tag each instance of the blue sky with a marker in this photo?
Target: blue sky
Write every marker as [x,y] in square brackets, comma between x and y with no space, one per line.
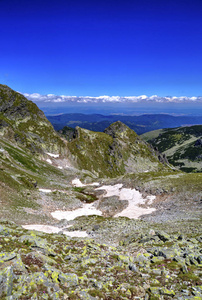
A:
[92,48]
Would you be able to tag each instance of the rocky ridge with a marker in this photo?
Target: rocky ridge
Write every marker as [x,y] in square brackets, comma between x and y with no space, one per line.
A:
[115,152]
[22,122]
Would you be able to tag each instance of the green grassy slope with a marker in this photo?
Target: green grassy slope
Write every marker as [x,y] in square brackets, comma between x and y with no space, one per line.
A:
[21,176]
[181,145]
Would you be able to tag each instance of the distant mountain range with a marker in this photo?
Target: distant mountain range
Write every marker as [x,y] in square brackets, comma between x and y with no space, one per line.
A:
[140,124]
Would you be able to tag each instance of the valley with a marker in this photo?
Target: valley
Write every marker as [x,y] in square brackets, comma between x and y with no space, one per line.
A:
[100,215]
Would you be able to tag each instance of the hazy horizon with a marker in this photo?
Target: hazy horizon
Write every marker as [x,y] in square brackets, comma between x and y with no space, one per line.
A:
[121,108]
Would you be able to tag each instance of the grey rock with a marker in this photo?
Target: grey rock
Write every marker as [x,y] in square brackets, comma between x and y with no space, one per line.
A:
[38,244]
[68,279]
[85,296]
[133,268]
[184,269]
[156,271]
[6,256]
[163,236]
[199,259]
[6,281]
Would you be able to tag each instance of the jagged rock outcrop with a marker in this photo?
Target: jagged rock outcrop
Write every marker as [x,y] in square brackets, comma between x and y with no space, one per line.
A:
[23,122]
[67,133]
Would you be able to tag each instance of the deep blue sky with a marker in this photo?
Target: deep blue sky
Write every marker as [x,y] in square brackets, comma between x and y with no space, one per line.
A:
[102,47]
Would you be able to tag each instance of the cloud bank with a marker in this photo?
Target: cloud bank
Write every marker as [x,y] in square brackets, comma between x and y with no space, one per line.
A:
[35,97]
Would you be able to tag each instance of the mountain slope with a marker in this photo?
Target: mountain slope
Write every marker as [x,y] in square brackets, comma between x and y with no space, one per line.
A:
[115,152]
[23,122]
[182,146]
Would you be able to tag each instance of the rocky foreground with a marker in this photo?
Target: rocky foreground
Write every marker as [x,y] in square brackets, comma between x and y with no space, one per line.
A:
[148,264]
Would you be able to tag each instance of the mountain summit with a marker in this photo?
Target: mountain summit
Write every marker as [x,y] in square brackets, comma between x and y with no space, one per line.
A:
[117,151]
[23,122]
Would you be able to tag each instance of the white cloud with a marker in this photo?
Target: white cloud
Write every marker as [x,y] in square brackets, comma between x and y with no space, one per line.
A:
[35,97]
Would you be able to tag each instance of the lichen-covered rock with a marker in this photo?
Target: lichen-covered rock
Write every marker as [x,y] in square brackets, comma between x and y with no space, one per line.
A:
[85,269]
[163,236]
[4,231]
[166,292]
[85,296]
[68,279]
[6,256]
[133,268]
[37,243]
[6,281]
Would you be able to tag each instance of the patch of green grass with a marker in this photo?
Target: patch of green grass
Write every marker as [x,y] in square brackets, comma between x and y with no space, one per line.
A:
[78,189]
[190,276]
[24,159]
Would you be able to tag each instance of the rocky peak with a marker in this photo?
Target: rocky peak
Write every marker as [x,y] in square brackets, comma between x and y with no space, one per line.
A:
[14,105]
[22,122]
[117,151]
[118,130]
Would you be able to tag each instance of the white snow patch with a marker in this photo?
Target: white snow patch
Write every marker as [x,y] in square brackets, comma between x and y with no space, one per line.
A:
[134,197]
[86,210]
[77,182]
[112,190]
[43,228]
[76,233]
[133,211]
[53,155]
[94,184]
[49,161]
[151,199]
[45,190]
[54,229]
[59,167]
